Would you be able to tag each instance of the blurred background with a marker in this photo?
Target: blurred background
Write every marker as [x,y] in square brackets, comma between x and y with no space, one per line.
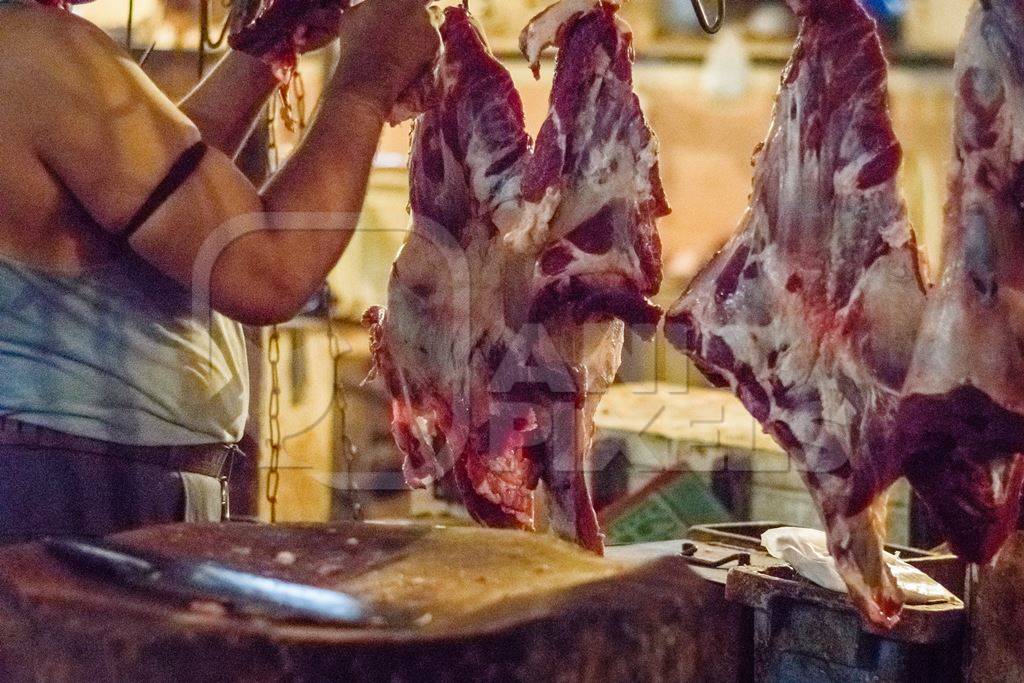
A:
[671,451]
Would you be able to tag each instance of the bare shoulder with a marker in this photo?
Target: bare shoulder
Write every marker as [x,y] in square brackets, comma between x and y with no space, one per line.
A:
[84,109]
[53,62]
[45,52]
[44,36]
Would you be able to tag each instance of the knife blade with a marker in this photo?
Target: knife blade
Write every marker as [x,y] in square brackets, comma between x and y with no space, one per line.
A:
[191,580]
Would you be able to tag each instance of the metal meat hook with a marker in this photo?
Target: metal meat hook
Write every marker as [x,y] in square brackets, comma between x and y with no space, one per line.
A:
[702,16]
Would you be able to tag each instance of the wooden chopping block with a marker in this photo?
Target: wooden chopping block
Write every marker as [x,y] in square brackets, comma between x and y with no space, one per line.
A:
[458,604]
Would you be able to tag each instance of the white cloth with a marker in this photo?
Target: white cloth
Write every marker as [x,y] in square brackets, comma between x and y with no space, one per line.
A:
[806,551]
[118,354]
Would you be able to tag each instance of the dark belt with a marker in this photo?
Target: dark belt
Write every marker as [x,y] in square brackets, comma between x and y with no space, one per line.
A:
[207,459]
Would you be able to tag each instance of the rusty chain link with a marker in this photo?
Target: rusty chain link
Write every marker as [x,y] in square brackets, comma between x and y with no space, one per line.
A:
[274,469]
[206,41]
[273,152]
[299,89]
[274,346]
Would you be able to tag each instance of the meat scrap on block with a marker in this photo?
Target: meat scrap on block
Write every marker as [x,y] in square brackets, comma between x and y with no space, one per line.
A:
[962,418]
[810,312]
[508,303]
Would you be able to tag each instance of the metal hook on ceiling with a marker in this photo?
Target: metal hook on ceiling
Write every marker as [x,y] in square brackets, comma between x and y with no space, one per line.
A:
[702,16]
[128,25]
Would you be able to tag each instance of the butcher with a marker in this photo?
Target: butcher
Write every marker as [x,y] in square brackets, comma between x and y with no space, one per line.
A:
[132,249]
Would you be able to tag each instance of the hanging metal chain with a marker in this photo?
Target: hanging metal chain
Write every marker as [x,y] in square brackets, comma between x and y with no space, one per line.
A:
[295,88]
[339,400]
[274,346]
[205,39]
[274,354]
[274,470]
[299,88]
[273,151]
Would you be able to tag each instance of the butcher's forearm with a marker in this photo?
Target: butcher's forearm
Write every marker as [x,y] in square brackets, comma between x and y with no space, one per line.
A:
[225,104]
[315,200]
[311,208]
[329,171]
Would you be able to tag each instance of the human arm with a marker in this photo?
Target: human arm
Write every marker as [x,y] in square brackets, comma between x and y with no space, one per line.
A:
[270,251]
[271,248]
[226,102]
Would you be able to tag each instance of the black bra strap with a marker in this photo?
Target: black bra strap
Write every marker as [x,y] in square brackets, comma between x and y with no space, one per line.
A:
[179,173]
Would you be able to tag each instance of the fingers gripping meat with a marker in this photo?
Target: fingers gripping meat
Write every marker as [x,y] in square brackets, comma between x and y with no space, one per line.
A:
[797,313]
[963,415]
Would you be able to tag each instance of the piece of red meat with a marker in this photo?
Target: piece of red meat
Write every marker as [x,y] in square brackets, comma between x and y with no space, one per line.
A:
[445,327]
[494,358]
[962,417]
[810,312]
[593,188]
[65,5]
[275,30]
[592,194]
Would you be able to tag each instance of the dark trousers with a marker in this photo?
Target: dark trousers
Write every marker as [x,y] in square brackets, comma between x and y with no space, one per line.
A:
[55,484]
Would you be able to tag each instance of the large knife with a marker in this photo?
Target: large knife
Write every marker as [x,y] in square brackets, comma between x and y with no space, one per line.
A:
[204,580]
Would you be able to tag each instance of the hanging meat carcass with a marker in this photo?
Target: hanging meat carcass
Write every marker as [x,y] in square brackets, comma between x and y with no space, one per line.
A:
[503,323]
[810,312]
[963,415]
[592,195]
[444,329]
